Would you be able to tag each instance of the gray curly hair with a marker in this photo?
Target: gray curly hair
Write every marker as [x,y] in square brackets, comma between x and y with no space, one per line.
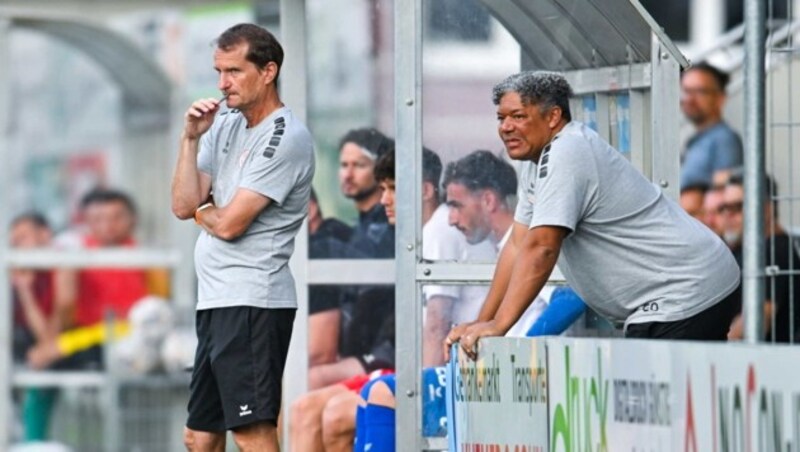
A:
[545,89]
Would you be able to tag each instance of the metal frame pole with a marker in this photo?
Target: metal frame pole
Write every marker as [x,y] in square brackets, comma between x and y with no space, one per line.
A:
[753,282]
[294,89]
[5,185]
[408,304]
[665,114]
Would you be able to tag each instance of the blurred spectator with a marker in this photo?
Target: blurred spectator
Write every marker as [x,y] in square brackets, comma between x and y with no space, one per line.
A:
[372,238]
[714,146]
[327,239]
[712,213]
[777,304]
[692,200]
[85,296]
[320,227]
[32,289]
[367,312]
[34,321]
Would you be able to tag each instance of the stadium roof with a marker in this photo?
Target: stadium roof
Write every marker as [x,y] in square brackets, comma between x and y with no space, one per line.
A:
[570,35]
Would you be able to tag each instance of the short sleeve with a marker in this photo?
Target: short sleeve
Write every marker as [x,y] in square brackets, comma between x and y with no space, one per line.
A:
[205,154]
[441,242]
[525,194]
[274,174]
[562,182]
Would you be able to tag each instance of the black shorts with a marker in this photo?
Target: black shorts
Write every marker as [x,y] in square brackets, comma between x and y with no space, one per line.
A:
[238,367]
[709,325]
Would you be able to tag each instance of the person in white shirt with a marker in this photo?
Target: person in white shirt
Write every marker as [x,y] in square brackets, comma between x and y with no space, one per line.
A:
[480,188]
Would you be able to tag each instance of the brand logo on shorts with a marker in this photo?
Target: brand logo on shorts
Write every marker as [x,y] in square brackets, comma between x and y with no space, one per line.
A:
[244,411]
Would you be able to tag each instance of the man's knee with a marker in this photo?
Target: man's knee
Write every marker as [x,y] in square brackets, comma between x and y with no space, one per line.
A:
[380,394]
[189,439]
[256,437]
[339,415]
[196,441]
[305,410]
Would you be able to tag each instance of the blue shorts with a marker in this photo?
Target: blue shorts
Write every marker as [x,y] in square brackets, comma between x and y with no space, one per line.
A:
[434,412]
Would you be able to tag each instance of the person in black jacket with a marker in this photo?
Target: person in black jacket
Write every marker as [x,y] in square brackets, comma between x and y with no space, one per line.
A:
[781,253]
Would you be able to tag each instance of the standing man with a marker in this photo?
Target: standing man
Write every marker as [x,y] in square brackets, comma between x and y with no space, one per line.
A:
[259,160]
[714,147]
[632,254]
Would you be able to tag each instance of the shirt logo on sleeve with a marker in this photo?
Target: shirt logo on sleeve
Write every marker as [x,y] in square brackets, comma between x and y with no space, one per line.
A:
[531,193]
[275,140]
[545,157]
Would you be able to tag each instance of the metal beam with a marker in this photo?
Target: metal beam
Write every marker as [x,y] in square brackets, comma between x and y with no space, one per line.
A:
[753,280]
[294,92]
[113,258]
[351,271]
[466,274]
[408,303]
[609,79]
[5,190]
[664,119]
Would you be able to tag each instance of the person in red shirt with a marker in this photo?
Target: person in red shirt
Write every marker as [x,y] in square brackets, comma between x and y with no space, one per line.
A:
[34,319]
[85,296]
[32,289]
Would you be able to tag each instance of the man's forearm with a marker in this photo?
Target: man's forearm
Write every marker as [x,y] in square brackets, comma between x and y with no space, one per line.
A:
[34,315]
[186,191]
[530,273]
[500,281]
[207,217]
[437,324]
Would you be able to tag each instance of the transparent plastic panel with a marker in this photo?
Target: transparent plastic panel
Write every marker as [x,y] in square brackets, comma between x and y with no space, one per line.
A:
[465,53]
[351,115]
[351,333]
[350,80]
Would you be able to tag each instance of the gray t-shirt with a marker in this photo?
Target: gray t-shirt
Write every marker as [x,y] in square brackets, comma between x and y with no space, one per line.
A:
[276,159]
[633,255]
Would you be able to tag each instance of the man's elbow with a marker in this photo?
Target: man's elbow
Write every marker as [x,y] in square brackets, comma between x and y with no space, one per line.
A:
[228,232]
[181,209]
[182,213]
[543,257]
[545,252]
